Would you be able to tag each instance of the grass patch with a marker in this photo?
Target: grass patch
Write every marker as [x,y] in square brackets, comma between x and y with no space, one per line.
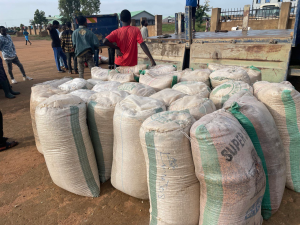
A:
[170,28]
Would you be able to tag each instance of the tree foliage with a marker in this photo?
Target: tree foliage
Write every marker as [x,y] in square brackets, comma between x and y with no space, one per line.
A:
[39,18]
[202,12]
[68,8]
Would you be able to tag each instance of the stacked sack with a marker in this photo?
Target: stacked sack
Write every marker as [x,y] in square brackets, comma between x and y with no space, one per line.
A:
[132,69]
[167,96]
[193,88]
[223,92]
[99,73]
[283,102]
[195,105]
[129,173]
[224,75]
[40,93]
[230,172]
[66,144]
[75,84]
[173,186]
[120,77]
[138,89]
[261,128]
[199,75]
[100,112]
[84,94]
[55,83]
[106,86]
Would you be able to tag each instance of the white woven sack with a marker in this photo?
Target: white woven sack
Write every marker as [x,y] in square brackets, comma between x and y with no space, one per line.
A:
[132,69]
[193,88]
[223,92]
[99,73]
[173,186]
[138,89]
[167,96]
[230,172]
[283,102]
[104,59]
[215,66]
[39,94]
[254,74]
[93,82]
[120,77]
[55,83]
[83,94]
[67,147]
[200,75]
[158,82]
[100,113]
[161,69]
[75,84]
[222,76]
[258,122]
[107,86]
[195,105]
[129,173]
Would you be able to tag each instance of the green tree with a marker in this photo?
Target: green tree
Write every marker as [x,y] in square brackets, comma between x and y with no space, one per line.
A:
[68,8]
[39,18]
[202,12]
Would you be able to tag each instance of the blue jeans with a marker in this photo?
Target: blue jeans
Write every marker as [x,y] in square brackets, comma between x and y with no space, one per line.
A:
[57,54]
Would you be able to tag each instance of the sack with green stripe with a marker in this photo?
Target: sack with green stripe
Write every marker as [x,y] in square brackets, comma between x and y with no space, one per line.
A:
[193,88]
[99,73]
[100,114]
[129,173]
[230,172]
[229,74]
[223,92]
[167,96]
[261,128]
[158,82]
[173,186]
[199,75]
[283,102]
[66,144]
[195,105]
[40,93]
[138,89]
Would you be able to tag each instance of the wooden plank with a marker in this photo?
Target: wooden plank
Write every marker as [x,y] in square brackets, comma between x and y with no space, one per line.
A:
[272,59]
[164,54]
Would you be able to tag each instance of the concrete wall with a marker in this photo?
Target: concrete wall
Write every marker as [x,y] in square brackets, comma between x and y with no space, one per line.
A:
[258,24]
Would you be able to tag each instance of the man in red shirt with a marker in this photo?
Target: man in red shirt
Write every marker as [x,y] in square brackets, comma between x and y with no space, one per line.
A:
[127,38]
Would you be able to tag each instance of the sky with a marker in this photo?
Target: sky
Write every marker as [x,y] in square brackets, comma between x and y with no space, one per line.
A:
[15,12]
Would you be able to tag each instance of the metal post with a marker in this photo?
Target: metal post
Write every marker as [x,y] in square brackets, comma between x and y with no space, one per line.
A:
[246,17]
[188,26]
[176,23]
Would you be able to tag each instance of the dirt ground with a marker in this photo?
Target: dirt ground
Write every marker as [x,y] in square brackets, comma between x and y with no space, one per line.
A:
[27,194]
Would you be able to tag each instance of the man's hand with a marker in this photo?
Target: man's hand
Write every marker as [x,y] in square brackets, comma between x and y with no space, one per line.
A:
[119,53]
[147,52]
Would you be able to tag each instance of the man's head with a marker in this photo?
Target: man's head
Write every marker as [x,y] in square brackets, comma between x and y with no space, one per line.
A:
[68,24]
[126,16]
[3,30]
[55,24]
[82,21]
[144,23]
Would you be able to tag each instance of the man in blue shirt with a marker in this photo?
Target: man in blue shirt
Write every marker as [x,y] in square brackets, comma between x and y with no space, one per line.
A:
[195,4]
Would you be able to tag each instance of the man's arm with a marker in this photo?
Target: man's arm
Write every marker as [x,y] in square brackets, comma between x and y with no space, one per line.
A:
[111,45]
[147,52]
[95,41]
[198,5]
[74,40]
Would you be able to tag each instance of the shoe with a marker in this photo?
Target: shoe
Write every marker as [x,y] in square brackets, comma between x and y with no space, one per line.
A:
[6,88]
[27,78]
[76,72]
[13,81]
[70,72]
[10,96]
[10,89]
[61,71]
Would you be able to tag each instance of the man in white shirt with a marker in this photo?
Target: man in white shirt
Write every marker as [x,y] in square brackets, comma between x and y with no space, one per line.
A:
[144,30]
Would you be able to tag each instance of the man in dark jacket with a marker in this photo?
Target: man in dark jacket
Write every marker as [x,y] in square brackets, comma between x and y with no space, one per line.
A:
[4,145]
[4,83]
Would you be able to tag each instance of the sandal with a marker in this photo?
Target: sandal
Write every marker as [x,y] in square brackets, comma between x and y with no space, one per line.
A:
[9,145]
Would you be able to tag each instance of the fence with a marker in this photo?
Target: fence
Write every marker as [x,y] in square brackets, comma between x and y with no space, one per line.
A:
[254,14]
